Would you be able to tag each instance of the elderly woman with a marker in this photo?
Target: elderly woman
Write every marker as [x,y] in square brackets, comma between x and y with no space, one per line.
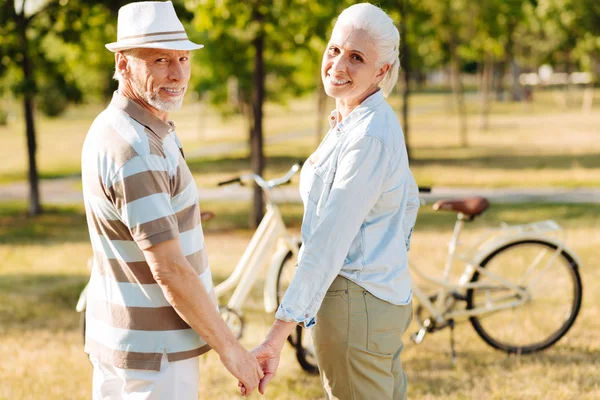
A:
[352,282]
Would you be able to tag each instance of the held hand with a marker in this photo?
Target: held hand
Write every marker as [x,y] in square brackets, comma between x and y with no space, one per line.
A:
[269,352]
[268,356]
[243,365]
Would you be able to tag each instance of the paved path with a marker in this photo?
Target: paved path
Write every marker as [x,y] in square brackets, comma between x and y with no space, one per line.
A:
[66,190]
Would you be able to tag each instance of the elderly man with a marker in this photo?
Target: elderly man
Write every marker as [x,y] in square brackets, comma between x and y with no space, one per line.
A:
[151,305]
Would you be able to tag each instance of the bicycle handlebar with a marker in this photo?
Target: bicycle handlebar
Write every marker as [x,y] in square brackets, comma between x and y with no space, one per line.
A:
[230,181]
[285,179]
[261,182]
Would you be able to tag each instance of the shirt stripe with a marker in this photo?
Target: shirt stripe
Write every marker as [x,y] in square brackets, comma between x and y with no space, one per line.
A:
[141,341]
[186,198]
[146,209]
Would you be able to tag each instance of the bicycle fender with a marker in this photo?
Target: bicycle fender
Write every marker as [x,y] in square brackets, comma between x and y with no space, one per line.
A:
[270,291]
[501,242]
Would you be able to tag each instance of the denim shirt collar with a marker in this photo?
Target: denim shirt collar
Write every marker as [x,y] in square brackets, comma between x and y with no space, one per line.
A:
[370,103]
[135,111]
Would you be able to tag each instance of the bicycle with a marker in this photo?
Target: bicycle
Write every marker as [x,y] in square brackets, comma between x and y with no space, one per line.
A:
[509,273]
[271,233]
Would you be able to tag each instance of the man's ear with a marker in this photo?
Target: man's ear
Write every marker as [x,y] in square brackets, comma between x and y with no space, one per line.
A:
[122,64]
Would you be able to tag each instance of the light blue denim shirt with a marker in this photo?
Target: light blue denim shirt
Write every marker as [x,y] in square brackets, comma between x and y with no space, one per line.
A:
[359,214]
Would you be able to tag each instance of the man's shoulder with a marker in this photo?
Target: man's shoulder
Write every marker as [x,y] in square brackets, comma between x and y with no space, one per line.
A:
[116,131]
[113,140]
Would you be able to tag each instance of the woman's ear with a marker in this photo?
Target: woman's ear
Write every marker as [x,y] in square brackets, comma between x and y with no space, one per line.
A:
[383,70]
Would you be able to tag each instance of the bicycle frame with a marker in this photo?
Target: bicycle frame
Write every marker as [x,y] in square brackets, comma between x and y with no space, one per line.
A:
[473,256]
[270,230]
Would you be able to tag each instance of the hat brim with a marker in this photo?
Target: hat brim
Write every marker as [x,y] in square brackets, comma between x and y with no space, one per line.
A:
[175,45]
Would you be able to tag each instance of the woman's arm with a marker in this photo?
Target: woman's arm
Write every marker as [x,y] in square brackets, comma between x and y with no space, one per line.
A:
[412,207]
[357,186]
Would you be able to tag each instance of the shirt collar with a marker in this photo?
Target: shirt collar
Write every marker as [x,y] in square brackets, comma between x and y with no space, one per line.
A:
[370,103]
[144,117]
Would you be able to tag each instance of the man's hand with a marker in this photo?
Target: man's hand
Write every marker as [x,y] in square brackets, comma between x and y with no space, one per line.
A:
[267,356]
[243,365]
[268,353]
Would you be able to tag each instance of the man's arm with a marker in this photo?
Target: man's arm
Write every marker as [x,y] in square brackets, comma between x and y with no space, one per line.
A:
[185,291]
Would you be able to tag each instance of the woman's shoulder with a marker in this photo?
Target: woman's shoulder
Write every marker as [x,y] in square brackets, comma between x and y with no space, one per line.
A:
[382,124]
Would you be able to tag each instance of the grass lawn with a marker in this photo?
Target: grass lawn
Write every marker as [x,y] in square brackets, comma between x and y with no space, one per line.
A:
[43,270]
[533,144]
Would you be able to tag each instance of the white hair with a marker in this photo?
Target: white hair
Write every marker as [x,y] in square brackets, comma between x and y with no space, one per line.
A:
[129,54]
[380,27]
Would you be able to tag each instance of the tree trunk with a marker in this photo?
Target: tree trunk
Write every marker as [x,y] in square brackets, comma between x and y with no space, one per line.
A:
[588,98]
[35,207]
[499,80]
[449,99]
[568,89]
[405,54]
[485,88]
[257,160]
[515,69]
[458,90]
[517,90]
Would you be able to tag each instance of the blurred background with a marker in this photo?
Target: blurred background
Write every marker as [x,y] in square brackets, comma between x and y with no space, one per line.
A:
[496,97]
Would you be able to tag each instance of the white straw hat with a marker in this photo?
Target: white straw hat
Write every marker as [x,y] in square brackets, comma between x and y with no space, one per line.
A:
[150,24]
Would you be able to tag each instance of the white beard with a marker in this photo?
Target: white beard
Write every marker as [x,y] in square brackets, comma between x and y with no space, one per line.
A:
[154,99]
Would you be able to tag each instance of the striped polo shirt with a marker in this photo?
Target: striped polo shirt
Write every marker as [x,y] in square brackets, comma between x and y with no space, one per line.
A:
[138,191]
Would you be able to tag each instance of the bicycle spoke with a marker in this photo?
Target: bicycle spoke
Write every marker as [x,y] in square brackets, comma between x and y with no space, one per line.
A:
[533,266]
[543,271]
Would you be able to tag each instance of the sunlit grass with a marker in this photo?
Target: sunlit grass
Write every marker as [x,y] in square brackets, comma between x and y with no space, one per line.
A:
[43,269]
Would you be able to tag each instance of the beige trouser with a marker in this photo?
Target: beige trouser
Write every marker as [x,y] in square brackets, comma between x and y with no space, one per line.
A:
[175,380]
[358,341]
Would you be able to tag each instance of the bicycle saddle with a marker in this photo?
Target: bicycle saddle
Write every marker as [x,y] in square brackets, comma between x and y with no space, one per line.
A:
[470,207]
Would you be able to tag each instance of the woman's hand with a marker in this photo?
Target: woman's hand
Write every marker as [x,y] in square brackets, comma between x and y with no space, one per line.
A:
[269,352]
[267,355]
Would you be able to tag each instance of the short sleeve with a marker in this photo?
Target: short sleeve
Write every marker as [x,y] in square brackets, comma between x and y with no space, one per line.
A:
[141,193]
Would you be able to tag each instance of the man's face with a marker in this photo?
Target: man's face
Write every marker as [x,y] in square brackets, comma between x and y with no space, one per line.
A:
[160,77]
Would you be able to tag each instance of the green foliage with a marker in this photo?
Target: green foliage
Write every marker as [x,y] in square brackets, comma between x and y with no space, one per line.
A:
[67,40]
[52,102]
[295,36]
[23,38]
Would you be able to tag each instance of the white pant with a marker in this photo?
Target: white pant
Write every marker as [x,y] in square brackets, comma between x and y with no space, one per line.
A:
[175,381]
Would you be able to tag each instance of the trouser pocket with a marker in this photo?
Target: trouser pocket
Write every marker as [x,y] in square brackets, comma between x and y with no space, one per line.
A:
[386,324]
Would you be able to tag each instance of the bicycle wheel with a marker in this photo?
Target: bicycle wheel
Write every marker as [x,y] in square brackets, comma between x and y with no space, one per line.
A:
[299,339]
[554,291]
[284,277]
[305,351]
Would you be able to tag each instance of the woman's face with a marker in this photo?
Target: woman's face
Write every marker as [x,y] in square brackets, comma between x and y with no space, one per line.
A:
[349,69]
